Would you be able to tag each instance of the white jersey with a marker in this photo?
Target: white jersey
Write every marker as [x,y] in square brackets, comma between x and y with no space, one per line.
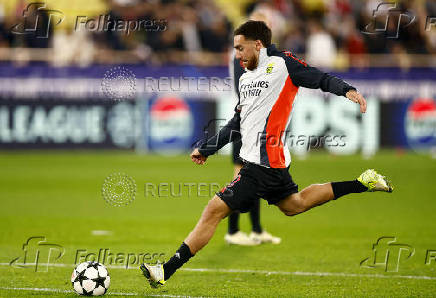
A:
[266,97]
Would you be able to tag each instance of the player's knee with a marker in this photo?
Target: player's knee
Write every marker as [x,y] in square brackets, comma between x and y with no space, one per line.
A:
[295,206]
[215,209]
[292,212]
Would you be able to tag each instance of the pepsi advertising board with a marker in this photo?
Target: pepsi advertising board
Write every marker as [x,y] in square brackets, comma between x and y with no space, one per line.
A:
[173,123]
[409,124]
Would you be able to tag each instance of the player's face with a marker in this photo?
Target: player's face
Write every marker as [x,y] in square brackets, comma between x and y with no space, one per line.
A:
[247,51]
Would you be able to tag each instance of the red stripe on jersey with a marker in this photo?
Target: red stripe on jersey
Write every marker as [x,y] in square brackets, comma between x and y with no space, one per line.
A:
[290,55]
[276,125]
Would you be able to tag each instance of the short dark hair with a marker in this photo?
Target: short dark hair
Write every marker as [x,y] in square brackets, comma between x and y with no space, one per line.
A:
[255,30]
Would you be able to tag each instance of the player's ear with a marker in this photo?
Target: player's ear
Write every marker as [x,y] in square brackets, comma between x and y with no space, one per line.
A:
[258,45]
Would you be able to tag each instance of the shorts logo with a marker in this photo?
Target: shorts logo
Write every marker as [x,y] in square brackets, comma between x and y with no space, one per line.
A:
[226,191]
[235,180]
[269,68]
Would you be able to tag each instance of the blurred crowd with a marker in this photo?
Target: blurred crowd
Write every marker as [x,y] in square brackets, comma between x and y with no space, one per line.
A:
[328,33]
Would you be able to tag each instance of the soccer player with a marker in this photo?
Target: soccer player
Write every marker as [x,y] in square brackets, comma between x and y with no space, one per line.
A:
[267,91]
[234,235]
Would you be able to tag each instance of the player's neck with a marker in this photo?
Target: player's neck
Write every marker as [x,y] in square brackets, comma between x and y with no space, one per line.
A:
[261,59]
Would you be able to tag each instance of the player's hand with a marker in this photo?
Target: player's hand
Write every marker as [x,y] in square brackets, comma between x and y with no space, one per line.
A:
[356,97]
[197,157]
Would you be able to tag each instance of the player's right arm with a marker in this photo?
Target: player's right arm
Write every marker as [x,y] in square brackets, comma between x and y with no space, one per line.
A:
[205,147]
[230,132]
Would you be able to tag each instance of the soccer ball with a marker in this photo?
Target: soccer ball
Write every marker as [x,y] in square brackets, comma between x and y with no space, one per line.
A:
[90,279]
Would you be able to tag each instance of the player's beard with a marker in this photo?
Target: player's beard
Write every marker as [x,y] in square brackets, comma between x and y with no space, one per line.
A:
[252,63]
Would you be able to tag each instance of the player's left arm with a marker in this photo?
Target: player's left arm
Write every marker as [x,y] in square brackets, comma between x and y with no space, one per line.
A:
[307,76]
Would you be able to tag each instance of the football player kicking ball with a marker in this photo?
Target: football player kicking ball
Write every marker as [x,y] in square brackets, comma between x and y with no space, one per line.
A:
[267,91]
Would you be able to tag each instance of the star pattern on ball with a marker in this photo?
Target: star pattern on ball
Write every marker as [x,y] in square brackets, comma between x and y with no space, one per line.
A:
[87,281]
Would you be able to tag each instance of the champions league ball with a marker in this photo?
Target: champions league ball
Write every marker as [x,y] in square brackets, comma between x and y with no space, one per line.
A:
[90,279]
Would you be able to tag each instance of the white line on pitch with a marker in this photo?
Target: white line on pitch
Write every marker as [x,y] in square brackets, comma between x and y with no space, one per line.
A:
[108,293]
[218,270]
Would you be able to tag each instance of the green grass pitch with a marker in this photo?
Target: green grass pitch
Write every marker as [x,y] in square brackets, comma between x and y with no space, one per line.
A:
[57,194]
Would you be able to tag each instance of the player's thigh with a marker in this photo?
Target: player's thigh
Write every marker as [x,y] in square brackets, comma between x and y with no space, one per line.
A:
[216,209]
[292,204]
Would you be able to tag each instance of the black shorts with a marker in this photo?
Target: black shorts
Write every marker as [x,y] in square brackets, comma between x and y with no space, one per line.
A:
[253,182]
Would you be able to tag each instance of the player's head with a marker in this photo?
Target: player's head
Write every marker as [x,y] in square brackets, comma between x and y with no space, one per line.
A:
[248,39]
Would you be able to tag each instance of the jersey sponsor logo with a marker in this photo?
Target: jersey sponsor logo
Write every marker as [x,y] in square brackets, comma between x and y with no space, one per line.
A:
[269,68]
[253,89]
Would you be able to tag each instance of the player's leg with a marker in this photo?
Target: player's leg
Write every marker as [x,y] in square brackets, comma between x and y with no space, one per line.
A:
[258,234]
[318,194]
[233,218]
[255,217]
[234,235]
[212,215]
[311,196]
[233,227]
[238,195]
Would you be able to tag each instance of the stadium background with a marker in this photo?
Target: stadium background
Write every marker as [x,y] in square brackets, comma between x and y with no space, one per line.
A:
[87,91]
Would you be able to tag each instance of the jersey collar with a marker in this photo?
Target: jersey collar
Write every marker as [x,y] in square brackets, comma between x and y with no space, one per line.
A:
[263,55]
[271,50]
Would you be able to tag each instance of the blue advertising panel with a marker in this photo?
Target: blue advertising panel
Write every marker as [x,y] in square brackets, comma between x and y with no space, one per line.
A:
[174,123]
[409,124]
